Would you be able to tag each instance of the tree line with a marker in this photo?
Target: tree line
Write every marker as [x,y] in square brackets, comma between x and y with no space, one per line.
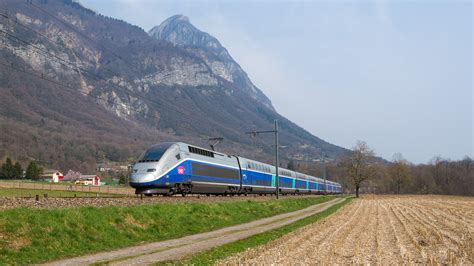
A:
[8,170]
[360,170]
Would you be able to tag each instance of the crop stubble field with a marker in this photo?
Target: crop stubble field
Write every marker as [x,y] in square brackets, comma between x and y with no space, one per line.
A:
[379,230]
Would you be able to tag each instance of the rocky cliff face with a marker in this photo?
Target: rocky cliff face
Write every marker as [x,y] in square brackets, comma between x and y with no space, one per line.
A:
[67,67]
[179,31]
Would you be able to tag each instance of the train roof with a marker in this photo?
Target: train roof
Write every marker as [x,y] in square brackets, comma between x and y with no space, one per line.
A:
[185,147]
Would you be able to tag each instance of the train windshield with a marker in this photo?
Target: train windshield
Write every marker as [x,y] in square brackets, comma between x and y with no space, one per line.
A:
[154,153]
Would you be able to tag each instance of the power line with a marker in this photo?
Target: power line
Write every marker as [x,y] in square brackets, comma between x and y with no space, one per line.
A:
[48,54]
[71,27]
[42,76]
[42,35]
[62,61]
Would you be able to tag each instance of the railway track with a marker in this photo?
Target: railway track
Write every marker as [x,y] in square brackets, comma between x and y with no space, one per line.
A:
[12,202]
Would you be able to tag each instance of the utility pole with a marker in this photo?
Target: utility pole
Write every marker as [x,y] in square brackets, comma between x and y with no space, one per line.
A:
[324,174]
[275,131]
[277,183]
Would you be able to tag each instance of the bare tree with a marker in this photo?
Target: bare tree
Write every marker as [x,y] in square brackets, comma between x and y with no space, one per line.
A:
[399,171]
[359,164]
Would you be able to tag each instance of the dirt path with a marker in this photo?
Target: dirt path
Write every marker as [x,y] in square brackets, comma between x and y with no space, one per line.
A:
[177,248]
[383,230]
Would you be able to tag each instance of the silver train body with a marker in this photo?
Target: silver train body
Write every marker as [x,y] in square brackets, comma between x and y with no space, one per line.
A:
[176,167]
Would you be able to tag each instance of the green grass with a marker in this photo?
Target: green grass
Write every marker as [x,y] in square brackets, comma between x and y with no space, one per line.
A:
[37,235]
[23,192]
[221,252]
[109,181]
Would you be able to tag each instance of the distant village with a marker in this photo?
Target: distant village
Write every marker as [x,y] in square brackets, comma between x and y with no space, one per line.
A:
[76,177]
[113,173]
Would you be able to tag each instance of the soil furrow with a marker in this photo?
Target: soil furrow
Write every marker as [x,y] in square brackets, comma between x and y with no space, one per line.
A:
[382,230]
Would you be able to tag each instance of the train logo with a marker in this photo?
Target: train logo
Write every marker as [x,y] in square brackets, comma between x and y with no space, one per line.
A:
[190,169]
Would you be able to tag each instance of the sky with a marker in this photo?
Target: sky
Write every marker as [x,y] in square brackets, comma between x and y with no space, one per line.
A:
[396,74]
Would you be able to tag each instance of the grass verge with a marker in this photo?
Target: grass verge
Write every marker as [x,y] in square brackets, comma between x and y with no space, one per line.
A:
[23,193]
[38,235]
[218,253]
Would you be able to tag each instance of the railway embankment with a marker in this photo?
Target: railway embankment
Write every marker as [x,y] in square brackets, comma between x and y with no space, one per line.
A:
[45,199]
[29,235]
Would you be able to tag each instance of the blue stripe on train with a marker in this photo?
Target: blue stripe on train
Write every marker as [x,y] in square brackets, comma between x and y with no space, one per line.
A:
[248,178]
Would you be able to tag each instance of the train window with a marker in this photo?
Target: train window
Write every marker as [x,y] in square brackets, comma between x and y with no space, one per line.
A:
[214,171]
[154,153]
[300,184]
[200,151]
[263,182]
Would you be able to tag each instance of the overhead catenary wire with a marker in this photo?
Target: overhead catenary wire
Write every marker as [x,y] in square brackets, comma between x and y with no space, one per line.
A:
[64,62]
[71,27]
[46,53]
[4,14]
[58,59]
[43,77]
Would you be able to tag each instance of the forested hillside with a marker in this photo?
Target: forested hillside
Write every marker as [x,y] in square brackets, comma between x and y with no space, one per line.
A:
[78,88]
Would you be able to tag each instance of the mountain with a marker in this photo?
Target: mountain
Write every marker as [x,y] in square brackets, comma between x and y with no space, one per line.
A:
[179,31]
[78,88]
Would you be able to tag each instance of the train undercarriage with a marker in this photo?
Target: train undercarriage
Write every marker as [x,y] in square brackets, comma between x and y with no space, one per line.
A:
[211,189]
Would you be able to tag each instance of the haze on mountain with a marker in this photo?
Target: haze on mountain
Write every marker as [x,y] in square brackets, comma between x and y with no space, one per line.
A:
[396,74]
[78,88]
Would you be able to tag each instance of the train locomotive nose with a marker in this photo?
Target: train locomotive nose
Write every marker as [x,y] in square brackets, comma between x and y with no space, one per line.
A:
[142,177]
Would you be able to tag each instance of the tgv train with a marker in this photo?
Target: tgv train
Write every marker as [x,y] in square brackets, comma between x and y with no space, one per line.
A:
[174,167]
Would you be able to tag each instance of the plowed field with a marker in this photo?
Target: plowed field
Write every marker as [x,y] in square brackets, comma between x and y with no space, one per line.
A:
[379,230]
